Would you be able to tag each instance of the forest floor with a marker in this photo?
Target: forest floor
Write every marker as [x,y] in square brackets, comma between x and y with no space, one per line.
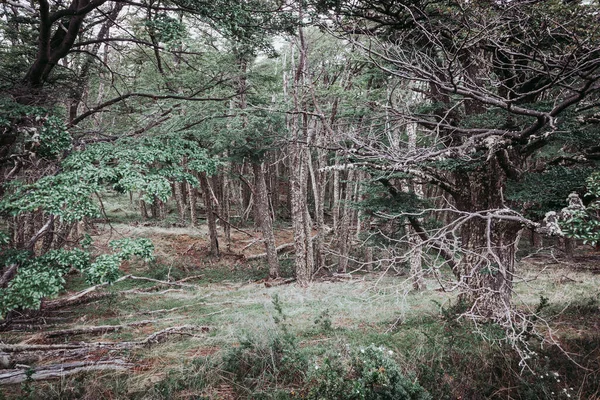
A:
[179,339]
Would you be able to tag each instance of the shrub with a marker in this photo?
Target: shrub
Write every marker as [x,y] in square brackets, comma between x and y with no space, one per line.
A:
[367,374]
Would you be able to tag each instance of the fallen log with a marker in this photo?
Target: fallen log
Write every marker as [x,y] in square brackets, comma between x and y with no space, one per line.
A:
[285,247]
[149,340]
[14,376]
[281,248]
[101,329]
[74,301]
[279,282]
[137,278]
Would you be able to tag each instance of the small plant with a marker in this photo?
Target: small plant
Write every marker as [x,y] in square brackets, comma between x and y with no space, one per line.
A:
[195,376]
[267,360]
[27,385]
[323,321]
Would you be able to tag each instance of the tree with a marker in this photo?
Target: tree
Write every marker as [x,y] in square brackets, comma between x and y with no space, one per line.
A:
[501,81]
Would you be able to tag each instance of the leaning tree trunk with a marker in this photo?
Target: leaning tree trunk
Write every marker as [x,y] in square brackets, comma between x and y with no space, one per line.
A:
[264,219]
[487,267]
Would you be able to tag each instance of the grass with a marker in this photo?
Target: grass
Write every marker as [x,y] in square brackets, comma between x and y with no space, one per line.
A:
[449,359]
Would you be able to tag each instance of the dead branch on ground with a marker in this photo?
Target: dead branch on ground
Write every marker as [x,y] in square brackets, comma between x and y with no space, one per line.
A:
[14,376]
[156,337]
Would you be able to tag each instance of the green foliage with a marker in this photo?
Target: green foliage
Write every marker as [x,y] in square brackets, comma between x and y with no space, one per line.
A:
[142,248]
[252,135]
[39,277]
[105,267]
[366,374]
[584,223]
[43,276]
[67,195]
[36,129]
[593,185]
[547,191]
[248,24]
[167,29]
[11,112]
[147,165]
[54,138]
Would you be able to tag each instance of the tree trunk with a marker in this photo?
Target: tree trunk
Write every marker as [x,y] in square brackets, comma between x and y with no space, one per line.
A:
[143,209]
[226,207]
[210,216]
[178,192]
[265,221]
[335,211]
[487,267]
[298,173]
[48,236]
[344,231]
[318,186]
[416,255]
[192,200]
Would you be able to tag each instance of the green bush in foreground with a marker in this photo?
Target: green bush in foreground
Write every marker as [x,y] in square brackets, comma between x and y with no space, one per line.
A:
[369,374]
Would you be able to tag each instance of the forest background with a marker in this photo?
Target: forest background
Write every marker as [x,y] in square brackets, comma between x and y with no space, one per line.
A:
[441,154]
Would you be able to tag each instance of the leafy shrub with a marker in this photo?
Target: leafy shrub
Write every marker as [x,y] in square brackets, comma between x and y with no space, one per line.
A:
[106,266]
[369,374]
[584,223]
[43,276]
[39,277]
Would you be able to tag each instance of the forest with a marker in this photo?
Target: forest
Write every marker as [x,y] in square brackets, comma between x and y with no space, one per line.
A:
[317,199]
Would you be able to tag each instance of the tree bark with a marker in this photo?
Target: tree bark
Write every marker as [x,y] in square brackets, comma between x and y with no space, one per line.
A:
[226,207]
[210,214]
[487,266]
[298,173]
[265,221]
[416,255]
[318,186]
[192,200]
[143,209]
[178,193]
[344,231]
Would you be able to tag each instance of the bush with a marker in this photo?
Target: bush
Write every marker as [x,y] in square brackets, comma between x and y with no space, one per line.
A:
[367,374]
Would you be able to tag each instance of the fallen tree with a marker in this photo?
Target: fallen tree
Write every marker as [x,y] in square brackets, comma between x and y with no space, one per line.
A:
[14,376]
